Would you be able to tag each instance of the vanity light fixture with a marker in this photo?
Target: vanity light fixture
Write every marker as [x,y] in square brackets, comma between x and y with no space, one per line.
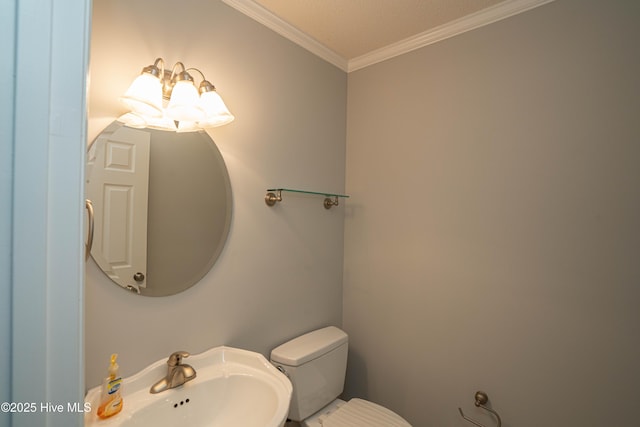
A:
[169,100]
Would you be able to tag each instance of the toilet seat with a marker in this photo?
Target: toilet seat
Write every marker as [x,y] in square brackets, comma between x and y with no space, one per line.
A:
[358,412]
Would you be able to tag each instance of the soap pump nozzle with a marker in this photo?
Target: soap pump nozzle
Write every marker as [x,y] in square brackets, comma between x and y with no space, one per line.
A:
[113,366]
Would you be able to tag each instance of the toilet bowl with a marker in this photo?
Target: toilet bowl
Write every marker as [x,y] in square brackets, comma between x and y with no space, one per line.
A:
[316,365]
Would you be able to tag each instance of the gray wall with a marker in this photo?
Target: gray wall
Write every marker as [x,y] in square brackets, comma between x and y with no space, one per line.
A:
[280,273]
[492,237]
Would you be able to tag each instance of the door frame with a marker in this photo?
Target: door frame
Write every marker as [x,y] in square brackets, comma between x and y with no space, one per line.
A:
[49,116]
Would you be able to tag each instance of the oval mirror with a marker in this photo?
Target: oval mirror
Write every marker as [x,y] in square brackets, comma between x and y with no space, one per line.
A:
[162,207]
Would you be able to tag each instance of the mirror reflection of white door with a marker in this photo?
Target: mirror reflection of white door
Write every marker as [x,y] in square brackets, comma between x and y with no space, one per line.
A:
[119,188]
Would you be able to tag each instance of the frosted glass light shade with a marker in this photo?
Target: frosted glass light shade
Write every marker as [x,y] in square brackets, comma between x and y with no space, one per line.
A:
[184,103]
[144,96]
[184,126]
[216,112]
[162,123]
[133,120]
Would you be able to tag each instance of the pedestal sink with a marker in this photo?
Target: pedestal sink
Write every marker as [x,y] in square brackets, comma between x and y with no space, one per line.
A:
[232,388]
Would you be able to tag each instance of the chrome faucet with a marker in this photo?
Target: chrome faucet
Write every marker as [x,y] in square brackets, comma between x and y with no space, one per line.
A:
[177,374]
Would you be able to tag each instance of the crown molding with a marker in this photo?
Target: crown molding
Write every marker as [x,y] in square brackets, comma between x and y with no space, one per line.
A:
[466,23]
[269,20]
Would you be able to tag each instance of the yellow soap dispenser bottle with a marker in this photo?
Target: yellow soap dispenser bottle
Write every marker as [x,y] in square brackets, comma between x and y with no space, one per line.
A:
[111,400]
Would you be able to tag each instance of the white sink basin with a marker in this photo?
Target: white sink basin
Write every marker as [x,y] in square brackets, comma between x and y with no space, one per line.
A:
[232,388]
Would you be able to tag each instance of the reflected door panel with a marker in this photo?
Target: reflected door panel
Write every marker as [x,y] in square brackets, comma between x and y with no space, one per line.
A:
[119,187]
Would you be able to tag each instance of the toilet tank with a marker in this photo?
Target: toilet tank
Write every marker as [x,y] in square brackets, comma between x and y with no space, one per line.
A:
[316,364]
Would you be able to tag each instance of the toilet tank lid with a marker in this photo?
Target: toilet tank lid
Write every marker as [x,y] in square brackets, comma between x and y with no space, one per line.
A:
[309,346]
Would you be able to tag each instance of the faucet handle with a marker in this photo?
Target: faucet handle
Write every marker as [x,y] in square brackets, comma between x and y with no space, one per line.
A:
[176,358]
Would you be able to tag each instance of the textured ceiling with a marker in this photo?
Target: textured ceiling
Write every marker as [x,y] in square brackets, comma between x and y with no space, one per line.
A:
[353,28]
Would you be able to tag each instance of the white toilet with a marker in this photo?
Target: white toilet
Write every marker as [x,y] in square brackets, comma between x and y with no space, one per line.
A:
[316,364]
